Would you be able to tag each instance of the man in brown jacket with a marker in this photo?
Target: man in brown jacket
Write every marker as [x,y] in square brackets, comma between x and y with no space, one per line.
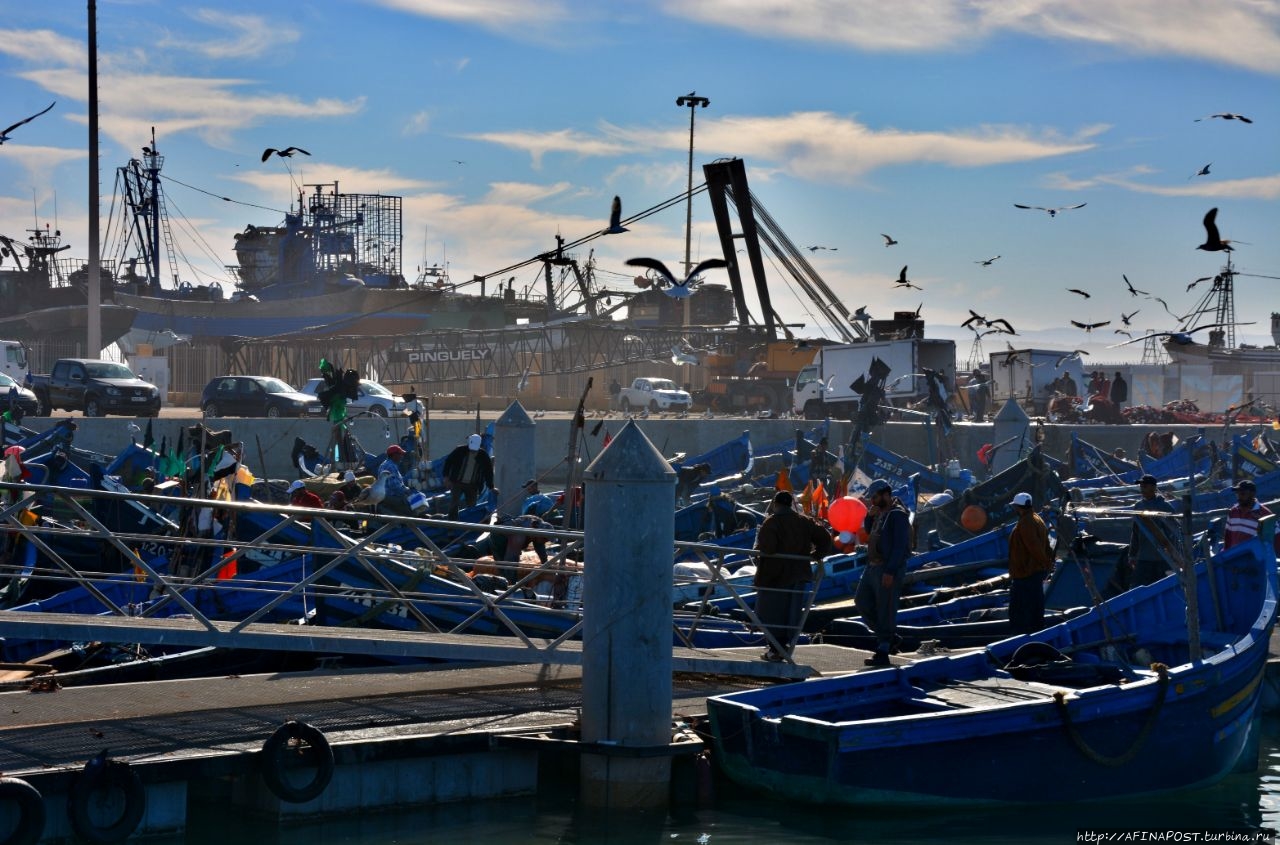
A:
[1030,562]
[787,542]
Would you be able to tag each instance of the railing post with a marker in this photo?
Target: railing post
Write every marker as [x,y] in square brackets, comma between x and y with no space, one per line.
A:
[627,618]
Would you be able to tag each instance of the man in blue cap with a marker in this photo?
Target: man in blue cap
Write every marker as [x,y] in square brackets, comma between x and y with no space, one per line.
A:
[1146,556]
[888,527]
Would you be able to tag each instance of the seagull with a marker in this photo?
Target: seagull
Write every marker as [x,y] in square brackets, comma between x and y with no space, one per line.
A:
[615,218]
[861,315]
[1008,327]
[1123,332]
[671,287]
[1199,280]
[1204,171]
[287,152]
[1225,116]
[888,241]
[375,492]
[1212,241]
[902,280]
[1075,353]
[1053,212]
[4,135]
[816,248]
[988,262]
[1088,327]
[1085,294]
[1166,307]
[1125,318]
[682,353]
[1182,338]
[974,317]
[1132,290]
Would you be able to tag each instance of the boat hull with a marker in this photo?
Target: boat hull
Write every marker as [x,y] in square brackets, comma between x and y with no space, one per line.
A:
[1124,718]
[68,323]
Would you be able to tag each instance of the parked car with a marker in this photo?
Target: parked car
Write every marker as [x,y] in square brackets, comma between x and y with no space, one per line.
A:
[95,386]
[21,396]
[255,396]
[374,398]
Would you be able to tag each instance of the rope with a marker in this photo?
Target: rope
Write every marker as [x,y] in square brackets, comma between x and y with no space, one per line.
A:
[1060,699]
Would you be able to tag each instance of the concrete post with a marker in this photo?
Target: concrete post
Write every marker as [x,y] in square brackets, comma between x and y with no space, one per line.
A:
[626,633]
[515,457]
[1011,434]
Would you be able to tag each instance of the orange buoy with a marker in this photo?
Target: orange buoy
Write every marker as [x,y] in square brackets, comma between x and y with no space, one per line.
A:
[973,518]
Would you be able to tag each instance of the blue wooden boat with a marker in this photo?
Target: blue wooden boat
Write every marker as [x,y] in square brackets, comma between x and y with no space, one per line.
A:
[1250,461]
[1035,474]
[1193,456]
[1096,467]
[732,458]
[1107,705]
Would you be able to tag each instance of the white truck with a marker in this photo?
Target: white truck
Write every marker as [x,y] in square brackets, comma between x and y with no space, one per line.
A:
[1024,375]
[14,363]
[825,387]
[656,394]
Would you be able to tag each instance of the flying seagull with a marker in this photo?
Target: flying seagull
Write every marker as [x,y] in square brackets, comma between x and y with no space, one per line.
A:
[4,135]
[677,289]
[1053,212]
[1212,241]
[287,152]
[1088,327]
[1182,338]
[1225,116]
[1075,353]
[1125,318]
[816,248]
[1085,294]
[974,317]
[988,262]
[888,241]
[902,280]
[615,218]
[1123,332]
[1199,280]
[1001,321]
[1132,290]
[1204,171]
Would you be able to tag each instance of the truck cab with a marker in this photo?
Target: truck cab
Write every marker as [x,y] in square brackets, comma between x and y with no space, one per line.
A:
[14,362]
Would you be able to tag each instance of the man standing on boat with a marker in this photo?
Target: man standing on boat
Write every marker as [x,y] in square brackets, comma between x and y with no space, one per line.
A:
[1146,557]
[888,547]
[467,469]
[787,542]
[1242,519]
[1030,561]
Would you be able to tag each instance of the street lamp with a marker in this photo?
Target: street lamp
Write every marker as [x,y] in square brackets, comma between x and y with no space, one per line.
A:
[693,101]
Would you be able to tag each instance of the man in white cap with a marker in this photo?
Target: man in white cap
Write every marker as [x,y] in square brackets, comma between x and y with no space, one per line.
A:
[301,497]
[1030,562]
[467,470]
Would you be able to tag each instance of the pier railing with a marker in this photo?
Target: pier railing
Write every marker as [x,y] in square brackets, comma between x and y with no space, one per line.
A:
[300,579]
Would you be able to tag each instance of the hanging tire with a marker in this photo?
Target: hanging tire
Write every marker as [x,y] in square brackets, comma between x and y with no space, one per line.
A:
[29,824]
[106,802]
[293,745]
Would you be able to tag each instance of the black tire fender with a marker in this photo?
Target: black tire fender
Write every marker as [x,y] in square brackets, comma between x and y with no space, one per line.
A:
[295,742]
[101,779]
[29,826]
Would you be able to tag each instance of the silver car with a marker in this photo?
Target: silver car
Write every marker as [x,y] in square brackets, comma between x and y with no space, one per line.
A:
[374,398]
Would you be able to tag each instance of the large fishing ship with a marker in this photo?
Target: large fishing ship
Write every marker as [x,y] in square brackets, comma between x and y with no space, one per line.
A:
[1216,313]
[44,297]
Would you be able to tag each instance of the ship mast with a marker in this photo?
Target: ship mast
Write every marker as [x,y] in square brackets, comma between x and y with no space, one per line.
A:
[1219,306]
[93,307]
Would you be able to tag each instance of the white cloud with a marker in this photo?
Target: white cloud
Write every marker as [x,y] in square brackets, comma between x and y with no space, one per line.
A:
[1255,187]
[252,36]
[513,17]
[43,46]
[417,124]
[1243,33]
[812,145]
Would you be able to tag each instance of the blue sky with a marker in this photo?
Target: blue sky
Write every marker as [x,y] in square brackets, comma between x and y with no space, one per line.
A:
[927,120]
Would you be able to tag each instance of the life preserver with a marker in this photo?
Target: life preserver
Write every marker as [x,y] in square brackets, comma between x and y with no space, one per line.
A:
[292,742]
[29,826]
[85,799]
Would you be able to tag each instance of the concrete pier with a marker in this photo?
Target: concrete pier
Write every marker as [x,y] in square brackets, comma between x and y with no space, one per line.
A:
[626,632]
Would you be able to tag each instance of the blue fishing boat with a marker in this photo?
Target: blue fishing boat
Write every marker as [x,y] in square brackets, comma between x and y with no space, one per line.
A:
[1121,701]
[1096,467]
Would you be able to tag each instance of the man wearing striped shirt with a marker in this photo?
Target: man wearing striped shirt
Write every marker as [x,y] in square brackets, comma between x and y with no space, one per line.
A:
[1242,519]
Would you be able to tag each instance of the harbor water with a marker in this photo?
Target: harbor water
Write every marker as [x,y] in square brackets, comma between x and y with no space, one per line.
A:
[1241,802]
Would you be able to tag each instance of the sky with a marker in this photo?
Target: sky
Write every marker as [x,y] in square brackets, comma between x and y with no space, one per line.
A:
[506,122]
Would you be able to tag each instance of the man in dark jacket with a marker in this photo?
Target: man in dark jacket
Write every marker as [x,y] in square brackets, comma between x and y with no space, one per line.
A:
[1146,549]
[888,528]
[467,470]
[1119,391]
[787,542]
[1030,562]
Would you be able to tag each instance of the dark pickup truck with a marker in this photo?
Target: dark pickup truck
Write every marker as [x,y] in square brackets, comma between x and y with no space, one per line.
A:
[95,387]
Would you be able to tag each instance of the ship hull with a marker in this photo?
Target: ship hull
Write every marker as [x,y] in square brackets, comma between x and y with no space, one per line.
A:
[68,323]
[356,311]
